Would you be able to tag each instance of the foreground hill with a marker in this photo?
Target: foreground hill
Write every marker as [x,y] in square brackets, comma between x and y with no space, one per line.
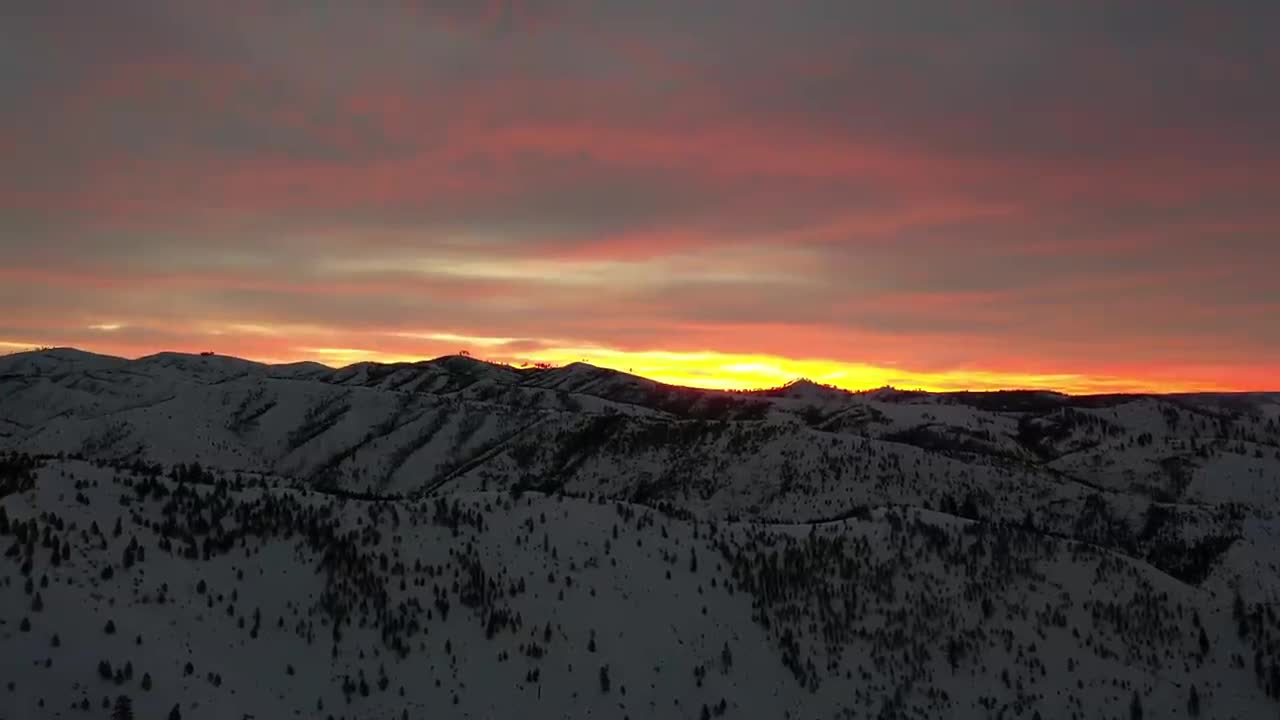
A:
[464,539]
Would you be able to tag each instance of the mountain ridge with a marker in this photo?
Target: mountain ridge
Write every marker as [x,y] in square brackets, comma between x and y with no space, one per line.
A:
[73,354]
[878,554]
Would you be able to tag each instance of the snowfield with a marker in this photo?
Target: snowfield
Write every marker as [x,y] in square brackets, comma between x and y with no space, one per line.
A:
[210,537]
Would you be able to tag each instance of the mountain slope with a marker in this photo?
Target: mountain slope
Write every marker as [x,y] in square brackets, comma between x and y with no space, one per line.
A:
[453,537]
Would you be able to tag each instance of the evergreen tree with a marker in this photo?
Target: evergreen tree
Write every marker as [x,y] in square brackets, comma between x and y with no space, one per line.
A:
[123,709]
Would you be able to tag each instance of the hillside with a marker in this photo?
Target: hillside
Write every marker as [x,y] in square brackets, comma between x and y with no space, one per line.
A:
[455,538]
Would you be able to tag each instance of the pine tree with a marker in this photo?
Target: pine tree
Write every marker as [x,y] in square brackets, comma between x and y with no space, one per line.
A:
[1193,703]
[123,709]
[175,713]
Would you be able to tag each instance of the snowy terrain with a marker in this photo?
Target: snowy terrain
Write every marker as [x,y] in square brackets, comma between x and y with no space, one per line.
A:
[212,538]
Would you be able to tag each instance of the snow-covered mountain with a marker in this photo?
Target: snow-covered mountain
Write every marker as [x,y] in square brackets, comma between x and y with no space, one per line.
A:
[461,539]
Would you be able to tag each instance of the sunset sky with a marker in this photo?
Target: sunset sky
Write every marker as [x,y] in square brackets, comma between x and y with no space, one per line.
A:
[1082,195]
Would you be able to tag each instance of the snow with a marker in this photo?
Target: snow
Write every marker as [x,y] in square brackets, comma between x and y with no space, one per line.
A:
[848,546]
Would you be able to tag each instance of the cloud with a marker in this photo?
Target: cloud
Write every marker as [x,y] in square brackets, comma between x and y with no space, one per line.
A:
[1058,191]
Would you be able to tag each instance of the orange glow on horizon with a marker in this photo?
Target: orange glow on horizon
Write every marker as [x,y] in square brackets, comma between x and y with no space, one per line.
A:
[728,371]
[720,371]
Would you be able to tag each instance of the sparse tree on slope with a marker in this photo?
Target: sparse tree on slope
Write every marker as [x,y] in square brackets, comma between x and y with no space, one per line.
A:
[123,709]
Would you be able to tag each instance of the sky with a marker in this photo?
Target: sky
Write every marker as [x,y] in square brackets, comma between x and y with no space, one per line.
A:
[1079,195]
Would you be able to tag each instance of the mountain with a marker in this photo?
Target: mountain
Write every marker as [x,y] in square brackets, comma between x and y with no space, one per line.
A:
[453,537]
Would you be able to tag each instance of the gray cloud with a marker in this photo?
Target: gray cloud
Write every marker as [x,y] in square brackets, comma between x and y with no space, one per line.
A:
[1043,175]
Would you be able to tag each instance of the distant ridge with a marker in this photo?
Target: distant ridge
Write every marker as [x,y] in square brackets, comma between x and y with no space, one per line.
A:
[571,373]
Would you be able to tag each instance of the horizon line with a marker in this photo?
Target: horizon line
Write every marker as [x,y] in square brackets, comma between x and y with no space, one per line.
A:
[717,383]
